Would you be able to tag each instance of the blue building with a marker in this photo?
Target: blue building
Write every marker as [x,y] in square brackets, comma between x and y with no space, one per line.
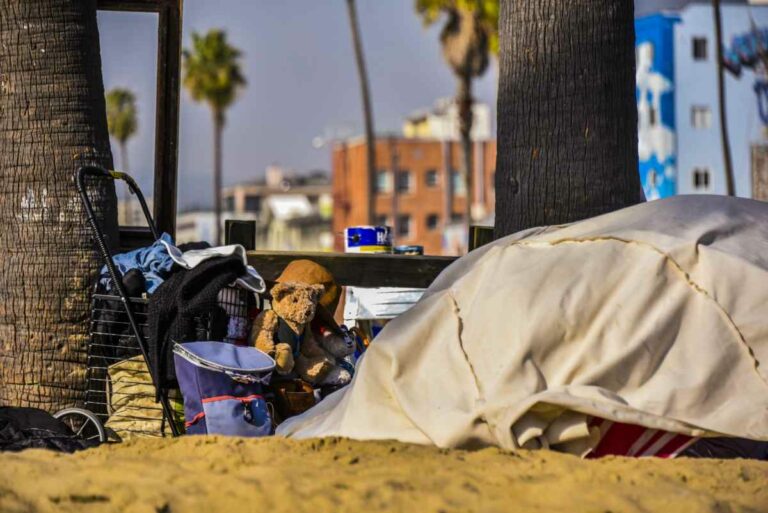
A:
[678,125]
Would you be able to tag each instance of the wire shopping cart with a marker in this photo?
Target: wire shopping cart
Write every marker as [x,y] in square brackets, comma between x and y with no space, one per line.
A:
[121,386]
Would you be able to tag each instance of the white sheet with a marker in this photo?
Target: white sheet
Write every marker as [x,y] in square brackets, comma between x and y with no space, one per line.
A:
[655,315]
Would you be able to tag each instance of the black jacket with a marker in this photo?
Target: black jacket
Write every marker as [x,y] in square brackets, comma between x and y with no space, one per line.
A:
[185,308]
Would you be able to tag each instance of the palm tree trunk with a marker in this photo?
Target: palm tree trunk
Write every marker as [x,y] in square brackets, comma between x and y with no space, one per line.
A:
[53,120]
[370,141]
[724,140]
[126,191]
[464,104]
[218,127]
[567,122]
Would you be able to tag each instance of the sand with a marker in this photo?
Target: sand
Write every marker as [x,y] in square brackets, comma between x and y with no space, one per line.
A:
[216,474]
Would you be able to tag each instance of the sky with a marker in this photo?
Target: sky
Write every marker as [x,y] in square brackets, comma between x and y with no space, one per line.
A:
[302,82]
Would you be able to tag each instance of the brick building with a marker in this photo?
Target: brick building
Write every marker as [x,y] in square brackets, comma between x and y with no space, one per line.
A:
[428,191]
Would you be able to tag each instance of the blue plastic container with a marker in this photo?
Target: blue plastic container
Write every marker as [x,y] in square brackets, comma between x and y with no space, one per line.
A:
[368,239]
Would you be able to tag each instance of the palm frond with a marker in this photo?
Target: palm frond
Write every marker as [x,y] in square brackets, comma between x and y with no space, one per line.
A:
[212,72]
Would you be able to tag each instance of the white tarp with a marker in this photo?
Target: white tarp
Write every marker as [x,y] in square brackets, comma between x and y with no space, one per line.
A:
[655,315]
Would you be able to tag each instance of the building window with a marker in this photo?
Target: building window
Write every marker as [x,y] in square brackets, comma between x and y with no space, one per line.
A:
[457,218]
[252,203]
[701,116]
[458,184]
[404,225]
[403,181]
[699,48]
[381,220]
[432,221]
[383,181]
[700,178]
[430,178]
[229,204]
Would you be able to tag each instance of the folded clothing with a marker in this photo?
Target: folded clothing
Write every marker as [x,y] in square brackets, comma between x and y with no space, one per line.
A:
[153,261]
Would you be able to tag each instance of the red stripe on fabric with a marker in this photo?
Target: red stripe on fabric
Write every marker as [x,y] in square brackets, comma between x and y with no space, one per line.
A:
[229,397]
[676,445]
[195,419]
[617,440]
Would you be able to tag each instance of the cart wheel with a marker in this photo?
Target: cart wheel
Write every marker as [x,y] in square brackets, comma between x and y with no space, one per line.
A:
[83,423]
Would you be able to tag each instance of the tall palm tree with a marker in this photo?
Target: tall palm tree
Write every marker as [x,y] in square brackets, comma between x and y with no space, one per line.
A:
[53,120]
[122,123]
[467,37]
[212,75]
[370,138]
[730,186]
[567,116]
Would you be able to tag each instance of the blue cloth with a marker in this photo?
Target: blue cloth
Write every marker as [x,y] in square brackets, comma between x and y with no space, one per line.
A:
[153,261]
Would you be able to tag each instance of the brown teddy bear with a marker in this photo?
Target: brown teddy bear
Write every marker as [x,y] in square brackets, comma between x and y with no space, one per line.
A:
[285,332]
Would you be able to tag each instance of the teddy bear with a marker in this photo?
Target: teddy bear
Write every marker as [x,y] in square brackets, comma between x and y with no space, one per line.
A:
[285,333]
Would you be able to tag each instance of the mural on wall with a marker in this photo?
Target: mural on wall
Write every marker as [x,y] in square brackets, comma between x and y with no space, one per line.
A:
[750,51]
[656,145]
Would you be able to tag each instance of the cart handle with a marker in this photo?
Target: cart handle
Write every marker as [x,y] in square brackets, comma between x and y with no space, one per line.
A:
[100,172]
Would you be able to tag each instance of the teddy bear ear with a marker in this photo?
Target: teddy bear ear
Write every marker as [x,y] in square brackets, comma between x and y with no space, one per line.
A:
[318,291]
[280,290]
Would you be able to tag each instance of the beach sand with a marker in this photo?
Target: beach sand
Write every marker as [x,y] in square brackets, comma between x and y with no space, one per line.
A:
[271,475]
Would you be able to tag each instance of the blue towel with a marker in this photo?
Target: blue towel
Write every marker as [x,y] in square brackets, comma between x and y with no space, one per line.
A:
[153,261]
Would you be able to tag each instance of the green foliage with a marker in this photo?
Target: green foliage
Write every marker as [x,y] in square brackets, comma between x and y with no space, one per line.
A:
[212,71]
[487,10]
[121,114]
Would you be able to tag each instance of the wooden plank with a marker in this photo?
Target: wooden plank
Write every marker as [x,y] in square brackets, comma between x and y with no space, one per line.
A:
[131,5]
[358,270]
[133,237]
[167,115]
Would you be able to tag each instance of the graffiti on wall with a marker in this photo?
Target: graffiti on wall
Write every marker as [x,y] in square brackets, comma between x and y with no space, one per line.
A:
[656,144]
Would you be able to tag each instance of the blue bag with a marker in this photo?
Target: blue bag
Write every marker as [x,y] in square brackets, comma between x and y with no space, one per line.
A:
[222,388]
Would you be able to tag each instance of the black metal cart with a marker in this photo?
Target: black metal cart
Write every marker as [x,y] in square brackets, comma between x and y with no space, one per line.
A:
[118,353]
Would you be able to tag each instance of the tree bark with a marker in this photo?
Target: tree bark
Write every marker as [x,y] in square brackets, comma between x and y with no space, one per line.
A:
[370,136]
[218,127]
[464,105]
[52,119]
[730,186]
[567,117]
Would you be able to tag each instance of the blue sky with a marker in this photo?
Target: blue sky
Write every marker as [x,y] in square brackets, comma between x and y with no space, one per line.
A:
[302,81]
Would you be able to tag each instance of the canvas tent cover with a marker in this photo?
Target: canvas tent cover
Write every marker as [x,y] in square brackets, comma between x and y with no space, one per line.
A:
[655,315]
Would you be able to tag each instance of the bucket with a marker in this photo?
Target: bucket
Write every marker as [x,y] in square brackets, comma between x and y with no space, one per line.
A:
[222,388]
